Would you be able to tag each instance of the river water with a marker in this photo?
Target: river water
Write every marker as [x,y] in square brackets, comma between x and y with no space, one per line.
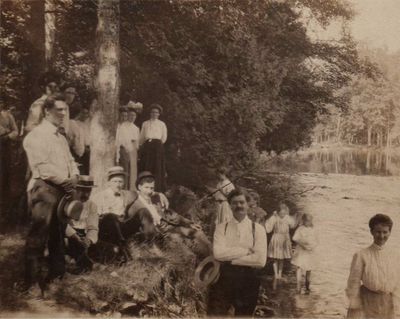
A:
[356,161]
[342,206]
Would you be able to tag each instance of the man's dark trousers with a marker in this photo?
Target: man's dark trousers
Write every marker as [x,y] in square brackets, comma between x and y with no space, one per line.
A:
[46,230]
[237,286]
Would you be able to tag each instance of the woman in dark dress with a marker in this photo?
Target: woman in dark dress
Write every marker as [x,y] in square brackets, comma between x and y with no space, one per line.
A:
[153,136]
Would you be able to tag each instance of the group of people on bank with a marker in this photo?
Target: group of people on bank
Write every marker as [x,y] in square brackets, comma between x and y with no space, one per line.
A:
[134,203]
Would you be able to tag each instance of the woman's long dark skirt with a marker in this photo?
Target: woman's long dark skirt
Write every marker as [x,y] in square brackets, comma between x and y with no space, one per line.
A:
[152,159]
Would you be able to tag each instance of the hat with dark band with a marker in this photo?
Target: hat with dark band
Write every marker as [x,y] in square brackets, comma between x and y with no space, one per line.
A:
[115,171]
[207,272]
[71,209]
[85,181]
[142,175]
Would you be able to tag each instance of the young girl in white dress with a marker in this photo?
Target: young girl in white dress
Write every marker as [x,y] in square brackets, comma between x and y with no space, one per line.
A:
[280,246]
[304,255]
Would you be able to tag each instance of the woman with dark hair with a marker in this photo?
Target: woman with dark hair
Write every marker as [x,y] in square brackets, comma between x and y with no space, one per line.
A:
[374,280]
[152,139]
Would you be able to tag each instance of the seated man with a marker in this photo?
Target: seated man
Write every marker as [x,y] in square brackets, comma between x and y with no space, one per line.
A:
[167,221]
[115,226]
[83,233]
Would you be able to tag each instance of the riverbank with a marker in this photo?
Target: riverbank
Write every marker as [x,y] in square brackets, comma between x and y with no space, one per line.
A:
[342,206]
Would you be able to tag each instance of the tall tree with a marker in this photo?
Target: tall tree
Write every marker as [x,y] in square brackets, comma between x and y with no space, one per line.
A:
[107,84]
[50,29]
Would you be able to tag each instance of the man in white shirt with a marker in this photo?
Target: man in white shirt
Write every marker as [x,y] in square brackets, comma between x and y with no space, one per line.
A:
[153,136]
[241,246]
[54,174]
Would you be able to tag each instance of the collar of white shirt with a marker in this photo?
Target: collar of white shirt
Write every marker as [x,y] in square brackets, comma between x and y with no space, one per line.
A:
[244,221]
[49,127]
[377,247]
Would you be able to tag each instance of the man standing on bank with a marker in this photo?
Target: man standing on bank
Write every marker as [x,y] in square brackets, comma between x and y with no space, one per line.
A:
[241,246]
[152,139]
[54,174]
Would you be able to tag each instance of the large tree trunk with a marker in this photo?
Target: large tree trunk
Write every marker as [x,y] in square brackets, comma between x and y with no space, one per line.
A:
[107,84]
[50,31]
[36,36]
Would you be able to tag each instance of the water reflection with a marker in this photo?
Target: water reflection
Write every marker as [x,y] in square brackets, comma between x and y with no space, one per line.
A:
[361,161]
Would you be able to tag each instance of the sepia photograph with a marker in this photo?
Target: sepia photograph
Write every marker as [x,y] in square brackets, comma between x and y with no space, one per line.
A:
[200,158]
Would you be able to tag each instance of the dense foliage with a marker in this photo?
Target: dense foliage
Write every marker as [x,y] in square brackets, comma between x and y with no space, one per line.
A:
[235,77]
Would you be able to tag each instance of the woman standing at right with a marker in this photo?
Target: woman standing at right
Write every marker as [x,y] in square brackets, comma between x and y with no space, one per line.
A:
[152,139]
[374,281]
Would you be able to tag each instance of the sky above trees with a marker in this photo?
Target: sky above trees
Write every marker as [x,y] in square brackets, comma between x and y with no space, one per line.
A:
[377,22]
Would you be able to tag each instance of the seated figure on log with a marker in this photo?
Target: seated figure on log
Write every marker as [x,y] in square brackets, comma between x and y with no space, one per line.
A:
[168,222]
[115,226]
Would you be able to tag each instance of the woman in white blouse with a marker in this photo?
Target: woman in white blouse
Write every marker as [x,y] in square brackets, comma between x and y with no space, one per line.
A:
[374,282]
[127,144]
[152,139]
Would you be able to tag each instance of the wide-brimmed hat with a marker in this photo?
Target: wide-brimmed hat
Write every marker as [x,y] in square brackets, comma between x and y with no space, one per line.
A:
[115,171]
[85,181]
[68,208]
[142,175]
[132,106]
[207,272]
[156,106]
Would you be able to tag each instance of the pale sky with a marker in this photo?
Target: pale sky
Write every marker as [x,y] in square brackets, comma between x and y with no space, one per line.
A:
[377,22]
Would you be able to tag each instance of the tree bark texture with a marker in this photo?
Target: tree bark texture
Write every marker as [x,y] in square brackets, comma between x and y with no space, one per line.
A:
[104,122]
[50,31]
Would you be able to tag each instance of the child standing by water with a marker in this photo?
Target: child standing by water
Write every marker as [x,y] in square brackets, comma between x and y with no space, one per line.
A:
[280,246]
[304,255]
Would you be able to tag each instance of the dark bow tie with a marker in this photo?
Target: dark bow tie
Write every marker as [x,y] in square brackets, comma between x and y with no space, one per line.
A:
[60,130]
[117,194]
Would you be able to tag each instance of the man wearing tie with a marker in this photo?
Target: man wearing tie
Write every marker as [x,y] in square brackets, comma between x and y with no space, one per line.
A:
[54,174]
[241,247]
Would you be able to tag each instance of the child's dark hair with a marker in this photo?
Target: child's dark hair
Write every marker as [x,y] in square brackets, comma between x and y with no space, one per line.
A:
[144,180]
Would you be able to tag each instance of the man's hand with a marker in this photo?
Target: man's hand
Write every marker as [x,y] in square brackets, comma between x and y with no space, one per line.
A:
[196,226]
[69,185]
[13,135]
[86,242]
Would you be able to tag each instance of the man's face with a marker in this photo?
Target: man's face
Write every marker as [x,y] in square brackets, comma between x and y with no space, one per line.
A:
[83,193]
[69,95]
[57,114]
[147,188]
[381,234]
[239,206]
[52,88]
[116,183]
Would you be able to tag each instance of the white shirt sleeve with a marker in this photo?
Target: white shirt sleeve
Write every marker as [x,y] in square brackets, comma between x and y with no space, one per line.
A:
[259,257]
[222,251]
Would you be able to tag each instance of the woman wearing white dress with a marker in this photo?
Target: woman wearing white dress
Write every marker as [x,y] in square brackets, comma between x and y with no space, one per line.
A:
[127,144]
[373,287]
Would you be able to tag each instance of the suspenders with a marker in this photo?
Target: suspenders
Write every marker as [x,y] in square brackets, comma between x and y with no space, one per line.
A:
[253,228]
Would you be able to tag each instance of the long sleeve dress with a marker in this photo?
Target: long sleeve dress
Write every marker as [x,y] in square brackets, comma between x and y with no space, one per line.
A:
[127,143]
[304,254]
[373,287]
[280,246]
